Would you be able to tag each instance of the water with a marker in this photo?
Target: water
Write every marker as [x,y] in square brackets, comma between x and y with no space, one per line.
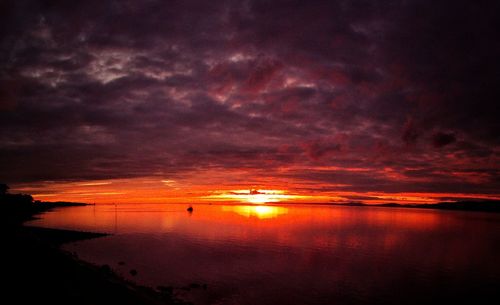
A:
[295,254]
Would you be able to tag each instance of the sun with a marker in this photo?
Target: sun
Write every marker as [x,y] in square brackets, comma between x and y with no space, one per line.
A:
[261,196]
[253,196]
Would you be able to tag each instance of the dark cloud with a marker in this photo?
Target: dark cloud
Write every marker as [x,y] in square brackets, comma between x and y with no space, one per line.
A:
[410,132]
[441,139]
[120,89]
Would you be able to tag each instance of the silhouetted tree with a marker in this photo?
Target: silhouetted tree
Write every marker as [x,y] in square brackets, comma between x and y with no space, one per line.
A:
[14,199]
[16,208]
[4,188]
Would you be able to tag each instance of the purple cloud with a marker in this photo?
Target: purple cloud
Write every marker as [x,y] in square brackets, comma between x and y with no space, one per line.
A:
[93,90]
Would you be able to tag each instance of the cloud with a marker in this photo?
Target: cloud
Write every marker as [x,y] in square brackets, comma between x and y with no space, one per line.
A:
[410,133]
[441,139]
[94,90]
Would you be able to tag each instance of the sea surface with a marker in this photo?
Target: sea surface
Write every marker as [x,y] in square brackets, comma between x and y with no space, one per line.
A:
[294,254]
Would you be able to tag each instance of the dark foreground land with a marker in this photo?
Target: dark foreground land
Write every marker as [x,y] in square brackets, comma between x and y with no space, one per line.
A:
[35,271]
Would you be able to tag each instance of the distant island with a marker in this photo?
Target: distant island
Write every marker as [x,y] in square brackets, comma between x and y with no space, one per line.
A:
[17,208]
[479,206]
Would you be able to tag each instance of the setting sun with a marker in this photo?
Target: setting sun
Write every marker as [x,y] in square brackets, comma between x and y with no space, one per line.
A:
[254,196]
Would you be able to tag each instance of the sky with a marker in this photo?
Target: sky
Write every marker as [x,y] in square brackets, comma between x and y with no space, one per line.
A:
[300,101]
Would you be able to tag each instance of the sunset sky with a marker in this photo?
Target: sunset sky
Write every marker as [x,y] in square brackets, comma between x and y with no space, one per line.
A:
[253,101]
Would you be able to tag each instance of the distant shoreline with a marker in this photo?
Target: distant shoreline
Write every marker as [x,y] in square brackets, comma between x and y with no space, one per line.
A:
[492,206]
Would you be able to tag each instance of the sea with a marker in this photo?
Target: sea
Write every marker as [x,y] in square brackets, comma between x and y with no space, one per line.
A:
[293,254]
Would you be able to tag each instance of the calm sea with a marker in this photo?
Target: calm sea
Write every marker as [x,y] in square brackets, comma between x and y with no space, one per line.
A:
[294,254]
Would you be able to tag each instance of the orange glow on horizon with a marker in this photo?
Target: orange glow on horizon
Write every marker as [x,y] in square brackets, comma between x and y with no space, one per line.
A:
[254,196]
[161,190]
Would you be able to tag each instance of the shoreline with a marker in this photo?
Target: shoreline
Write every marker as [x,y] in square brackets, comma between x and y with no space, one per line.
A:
[39,271]
[486,206]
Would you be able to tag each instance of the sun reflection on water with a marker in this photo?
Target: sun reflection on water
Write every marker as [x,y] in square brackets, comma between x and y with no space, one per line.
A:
[258,211]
